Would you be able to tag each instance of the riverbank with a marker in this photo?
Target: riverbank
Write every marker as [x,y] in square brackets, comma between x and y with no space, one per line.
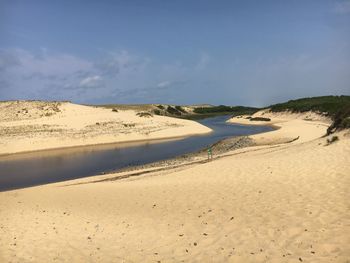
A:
[297,127]
[280,200]
[27,126]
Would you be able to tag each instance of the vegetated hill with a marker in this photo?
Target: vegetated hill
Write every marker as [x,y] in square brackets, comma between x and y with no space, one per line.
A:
[185,112]
[222,109]
[336,107]
[329,105]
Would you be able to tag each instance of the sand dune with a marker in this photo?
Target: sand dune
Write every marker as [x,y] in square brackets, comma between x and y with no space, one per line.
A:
[286,202]
[297,127]
[38,125]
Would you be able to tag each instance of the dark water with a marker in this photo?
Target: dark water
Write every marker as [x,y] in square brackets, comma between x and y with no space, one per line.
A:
[24,170]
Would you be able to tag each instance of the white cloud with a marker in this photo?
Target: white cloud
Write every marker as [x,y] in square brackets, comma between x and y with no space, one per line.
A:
[91,82]
[164,84]
[41,75]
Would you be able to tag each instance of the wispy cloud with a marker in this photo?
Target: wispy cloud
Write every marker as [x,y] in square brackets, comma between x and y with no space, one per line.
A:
[204,60]
[342,7]
[91,82]
[48,75]
[8,60]
[164,84]
[115,63]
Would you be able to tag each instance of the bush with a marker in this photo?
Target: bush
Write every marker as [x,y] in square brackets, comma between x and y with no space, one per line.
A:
[160,107]
[144,114]
[260,119]
[173,111]
[345,124]
[179,108]
[333,139]
[115,110]
[156,112]
[341,120]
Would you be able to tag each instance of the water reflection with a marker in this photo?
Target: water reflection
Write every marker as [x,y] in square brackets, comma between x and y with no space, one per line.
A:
[29,169]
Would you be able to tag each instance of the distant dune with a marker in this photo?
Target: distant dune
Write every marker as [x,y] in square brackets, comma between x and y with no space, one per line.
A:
[38,125]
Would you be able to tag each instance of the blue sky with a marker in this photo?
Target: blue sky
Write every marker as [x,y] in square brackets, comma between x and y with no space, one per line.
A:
[182,52]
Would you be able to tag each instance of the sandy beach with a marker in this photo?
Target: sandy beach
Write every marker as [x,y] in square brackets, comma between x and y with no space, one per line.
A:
[285,199]
[38,125]
[175,131]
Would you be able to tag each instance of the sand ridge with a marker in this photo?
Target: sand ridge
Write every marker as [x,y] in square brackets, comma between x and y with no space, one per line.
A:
[285,202]
[38,125]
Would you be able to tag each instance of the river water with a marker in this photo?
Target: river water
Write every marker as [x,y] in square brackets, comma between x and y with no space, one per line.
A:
[37,168]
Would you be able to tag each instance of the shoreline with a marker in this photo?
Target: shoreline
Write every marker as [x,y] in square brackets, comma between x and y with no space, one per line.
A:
[232,142]
[122,144]
[284,202]
[183,160]
[30,126]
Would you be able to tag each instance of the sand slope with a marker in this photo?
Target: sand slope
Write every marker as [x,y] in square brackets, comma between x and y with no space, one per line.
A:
[275,203]
[39,125]
[296,127]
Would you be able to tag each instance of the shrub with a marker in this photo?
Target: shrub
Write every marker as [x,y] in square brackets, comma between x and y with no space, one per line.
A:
[179,108]
[115,110]
[172,110]
[333,139]
[260,119]
[341,120]
[160,107]
[144,114]
[156,112]
[345,124]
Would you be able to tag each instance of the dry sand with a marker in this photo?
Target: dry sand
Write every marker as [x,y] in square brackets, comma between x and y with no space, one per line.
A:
[38,125]
[297,128]
[286,202]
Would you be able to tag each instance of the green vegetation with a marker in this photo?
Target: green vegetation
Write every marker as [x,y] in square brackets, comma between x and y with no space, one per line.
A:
[156,112]
[341,120]
[179,108]
[330,105]
[222,109]
[173,111]
[335,107]
[259,119]
[144,114]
